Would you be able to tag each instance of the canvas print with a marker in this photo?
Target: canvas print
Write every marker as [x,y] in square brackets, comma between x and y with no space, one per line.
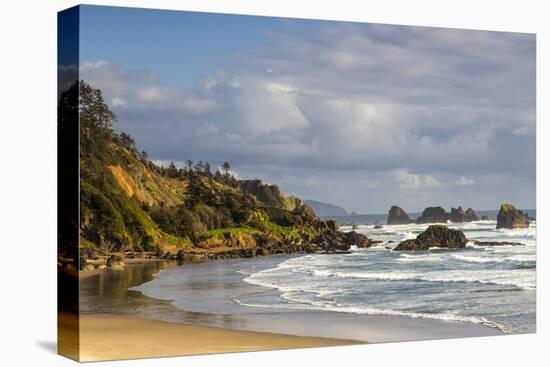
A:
[233,183]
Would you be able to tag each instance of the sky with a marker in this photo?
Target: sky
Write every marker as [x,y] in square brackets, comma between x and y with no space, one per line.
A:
[359,115]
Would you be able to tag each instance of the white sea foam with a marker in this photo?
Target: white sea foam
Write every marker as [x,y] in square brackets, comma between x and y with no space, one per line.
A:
[520,278]
[300,304]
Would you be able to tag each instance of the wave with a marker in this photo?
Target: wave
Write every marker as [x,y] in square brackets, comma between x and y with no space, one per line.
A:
[476,259]
[511,277]
[511,259]
[420,258]
[299,304]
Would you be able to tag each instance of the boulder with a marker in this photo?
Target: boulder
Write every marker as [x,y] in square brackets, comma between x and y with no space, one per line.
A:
[262,252]
[434,236]
[434,214]
[471,215]
[89,253]
[510,217]
[89,267]
[396,215]
[332,225]
[355,239]
[331,241]
[115,261]
[378,226]
[180,256]
[249,252]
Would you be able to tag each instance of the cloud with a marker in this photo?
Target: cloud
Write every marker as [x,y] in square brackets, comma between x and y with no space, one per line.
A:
[441,107]
[408,181]
[464,181]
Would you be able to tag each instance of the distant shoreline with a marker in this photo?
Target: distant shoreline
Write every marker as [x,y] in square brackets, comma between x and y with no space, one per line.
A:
[415,213]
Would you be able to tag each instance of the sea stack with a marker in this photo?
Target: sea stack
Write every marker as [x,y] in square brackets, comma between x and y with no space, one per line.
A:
[471,215]
[457,215]
[510,217]
[435,236]
[434,214]
[397,215]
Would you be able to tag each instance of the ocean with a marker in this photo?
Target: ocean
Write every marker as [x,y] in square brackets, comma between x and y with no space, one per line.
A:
[491,286]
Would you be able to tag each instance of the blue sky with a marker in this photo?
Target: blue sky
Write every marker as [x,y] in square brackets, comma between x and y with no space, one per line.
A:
[180,46]
[364,116]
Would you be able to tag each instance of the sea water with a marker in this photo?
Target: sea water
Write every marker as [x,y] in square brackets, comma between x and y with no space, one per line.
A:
[493,286]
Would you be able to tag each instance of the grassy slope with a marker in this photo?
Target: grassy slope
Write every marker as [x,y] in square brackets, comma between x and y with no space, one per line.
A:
[116,191]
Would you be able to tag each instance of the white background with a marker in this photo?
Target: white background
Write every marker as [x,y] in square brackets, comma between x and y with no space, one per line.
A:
[28,182]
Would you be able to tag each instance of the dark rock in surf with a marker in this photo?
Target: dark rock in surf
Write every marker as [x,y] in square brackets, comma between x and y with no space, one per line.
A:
[435,236]
[510,217]
[355,239]
[341,241]
[397,215]
[457,215]
[471,215]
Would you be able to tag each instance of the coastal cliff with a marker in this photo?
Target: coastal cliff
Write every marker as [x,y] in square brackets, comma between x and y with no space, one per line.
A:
[133,207]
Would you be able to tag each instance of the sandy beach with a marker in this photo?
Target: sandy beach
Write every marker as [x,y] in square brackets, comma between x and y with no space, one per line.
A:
[110,337]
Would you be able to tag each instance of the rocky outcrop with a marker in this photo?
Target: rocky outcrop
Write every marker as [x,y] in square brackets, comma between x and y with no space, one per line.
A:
[438,235]
[434,214]
[355,239]
[396,215]
[116,262]
[332,225]
[510,217]
[334,241]
[434,236]
[457,215]
[471,215]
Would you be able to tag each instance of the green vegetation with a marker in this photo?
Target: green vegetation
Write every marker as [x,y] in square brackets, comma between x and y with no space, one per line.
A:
[130,203]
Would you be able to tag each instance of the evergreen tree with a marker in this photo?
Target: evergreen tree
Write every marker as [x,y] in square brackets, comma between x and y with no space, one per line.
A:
[207,170]
[189,167]
[226,167]
[172,170]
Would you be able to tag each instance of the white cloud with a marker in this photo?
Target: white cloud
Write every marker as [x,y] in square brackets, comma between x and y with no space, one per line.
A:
[464,181]
[408,181]
[118,102]
[150,94]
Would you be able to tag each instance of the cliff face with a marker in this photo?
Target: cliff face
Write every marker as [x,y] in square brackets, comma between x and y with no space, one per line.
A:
[269,195]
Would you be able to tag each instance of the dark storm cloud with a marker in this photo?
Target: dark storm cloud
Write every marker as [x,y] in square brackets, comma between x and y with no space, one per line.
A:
[362,116]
